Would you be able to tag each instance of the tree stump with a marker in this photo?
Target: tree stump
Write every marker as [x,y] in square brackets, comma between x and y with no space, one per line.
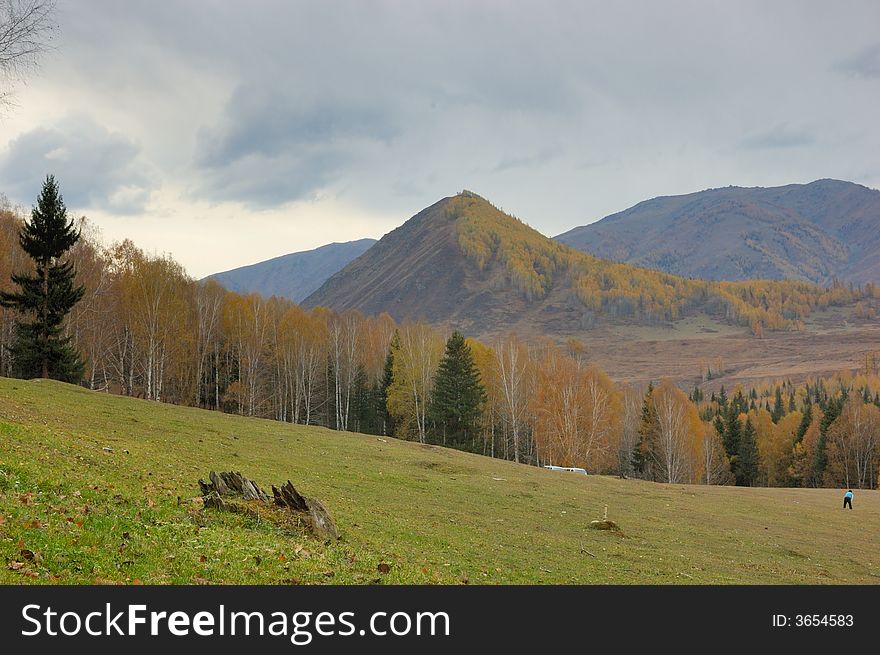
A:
[320,520]
[233,485]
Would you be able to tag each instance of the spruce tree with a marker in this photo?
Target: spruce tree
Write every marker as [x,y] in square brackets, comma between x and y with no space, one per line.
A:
[47,295]
[747,457]
[458,395]
[778,407]
[731,437]
[806,420]
[722,397]
[647,428]
[387,418]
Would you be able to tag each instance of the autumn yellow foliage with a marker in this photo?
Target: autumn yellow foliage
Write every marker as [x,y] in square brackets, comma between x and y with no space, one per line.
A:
[534,264]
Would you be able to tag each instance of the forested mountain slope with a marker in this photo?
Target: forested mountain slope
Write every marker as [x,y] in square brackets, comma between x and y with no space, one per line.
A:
[465,262]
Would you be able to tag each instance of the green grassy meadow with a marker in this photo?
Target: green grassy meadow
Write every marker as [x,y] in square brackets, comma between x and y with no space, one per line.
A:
[72,513]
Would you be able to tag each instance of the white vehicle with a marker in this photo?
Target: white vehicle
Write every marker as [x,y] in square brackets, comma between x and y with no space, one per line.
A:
[570,469]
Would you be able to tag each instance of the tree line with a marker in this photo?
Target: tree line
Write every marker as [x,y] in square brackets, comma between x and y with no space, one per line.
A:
[135,324]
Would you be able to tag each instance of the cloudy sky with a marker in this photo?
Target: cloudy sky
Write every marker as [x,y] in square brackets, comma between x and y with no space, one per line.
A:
[226,132]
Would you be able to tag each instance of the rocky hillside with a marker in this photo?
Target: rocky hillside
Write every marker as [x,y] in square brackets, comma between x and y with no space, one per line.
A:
[296,275]
[816,232]
[464,262]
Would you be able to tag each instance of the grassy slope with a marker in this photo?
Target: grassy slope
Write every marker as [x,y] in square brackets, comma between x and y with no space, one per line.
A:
[434,515]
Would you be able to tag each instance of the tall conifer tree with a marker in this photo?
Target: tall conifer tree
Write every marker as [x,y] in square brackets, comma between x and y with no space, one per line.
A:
[458,395]
[46,296]
[387,378]
[641,456]
[747,457]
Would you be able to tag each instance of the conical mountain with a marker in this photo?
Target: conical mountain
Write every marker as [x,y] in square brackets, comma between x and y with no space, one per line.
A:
[465,263]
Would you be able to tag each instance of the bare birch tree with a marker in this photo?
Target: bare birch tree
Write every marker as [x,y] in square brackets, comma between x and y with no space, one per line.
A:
[26,31]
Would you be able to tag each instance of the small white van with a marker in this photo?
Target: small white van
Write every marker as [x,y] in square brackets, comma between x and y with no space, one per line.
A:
[570,469]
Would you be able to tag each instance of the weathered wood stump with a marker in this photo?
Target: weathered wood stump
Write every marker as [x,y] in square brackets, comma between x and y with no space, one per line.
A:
[320,521]
[221,487]
[232,483]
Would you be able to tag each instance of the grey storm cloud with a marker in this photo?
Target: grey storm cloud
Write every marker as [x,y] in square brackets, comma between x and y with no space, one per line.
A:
[94,167]
[865,63]
[263,182]
[266,123]
[561,111]
[781,136]
[271,147]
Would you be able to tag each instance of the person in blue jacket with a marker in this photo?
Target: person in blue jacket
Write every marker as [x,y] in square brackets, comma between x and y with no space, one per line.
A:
[847,499]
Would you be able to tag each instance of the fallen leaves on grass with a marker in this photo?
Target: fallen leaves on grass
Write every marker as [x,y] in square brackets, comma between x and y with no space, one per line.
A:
[383,567]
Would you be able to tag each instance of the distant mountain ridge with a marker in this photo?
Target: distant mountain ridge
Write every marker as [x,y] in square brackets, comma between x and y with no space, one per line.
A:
[817,232]
[465,263]
[296,275]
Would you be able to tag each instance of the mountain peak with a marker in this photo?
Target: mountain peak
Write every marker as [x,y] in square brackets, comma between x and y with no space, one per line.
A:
[295,275]
[465,263]
[816,232]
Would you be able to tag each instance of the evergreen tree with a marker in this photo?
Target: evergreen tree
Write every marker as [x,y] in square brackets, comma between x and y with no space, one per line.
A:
[805,423]
[647,427]
[387,418]
[722,397]
[366,405]
[747,457]
[731,436]
[47,295]
[458,396]
[778,407]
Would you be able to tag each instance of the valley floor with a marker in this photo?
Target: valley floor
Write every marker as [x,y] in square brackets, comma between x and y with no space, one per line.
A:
[828,345]
[72,513]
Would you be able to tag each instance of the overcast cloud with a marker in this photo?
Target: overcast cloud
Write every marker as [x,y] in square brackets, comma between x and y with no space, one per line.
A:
[228,132]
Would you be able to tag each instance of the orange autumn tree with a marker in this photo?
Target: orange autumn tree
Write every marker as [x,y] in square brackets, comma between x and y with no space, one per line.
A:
[676,434]
[854,445]
[577,411]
